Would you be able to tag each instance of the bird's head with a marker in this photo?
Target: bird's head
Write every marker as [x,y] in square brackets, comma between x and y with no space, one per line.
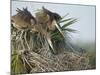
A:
[42,17]
[25,15]
[52,15]
[57,17]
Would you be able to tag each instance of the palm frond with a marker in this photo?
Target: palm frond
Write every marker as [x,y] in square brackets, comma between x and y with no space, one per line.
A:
[70,30]
[69,23]
[17,65]
[65,15]
[62,21]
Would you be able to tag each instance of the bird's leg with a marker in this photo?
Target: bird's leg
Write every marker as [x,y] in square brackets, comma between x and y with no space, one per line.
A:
[26,40]
[21,39]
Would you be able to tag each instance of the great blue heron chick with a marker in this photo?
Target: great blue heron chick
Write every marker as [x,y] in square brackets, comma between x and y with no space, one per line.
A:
[53,15]
[53,20]
[23,21]
[42,17]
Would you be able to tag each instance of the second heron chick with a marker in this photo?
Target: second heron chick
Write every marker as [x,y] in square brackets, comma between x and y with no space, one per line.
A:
[53,20]
[47,22]
[42,17]
[53,15]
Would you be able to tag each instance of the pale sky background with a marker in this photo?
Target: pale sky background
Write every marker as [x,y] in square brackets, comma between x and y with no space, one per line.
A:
[85,14]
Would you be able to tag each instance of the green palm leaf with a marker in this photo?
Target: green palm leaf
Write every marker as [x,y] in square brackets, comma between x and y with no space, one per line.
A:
[69,23]
[62,21]
[64,16]
[70,30]
[17,65]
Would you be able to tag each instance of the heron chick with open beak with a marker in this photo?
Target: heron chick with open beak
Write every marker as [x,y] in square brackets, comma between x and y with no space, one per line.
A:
[53,20]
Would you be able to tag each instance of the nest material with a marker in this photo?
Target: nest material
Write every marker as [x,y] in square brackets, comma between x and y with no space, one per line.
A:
[65,61]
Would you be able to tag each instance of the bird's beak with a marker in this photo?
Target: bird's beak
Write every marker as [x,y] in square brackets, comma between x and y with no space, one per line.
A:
[57,26]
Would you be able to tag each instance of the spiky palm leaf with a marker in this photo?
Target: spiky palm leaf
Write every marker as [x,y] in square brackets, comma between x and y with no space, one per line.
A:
[20,63]
[69,22]
[17,65]
[57,35]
